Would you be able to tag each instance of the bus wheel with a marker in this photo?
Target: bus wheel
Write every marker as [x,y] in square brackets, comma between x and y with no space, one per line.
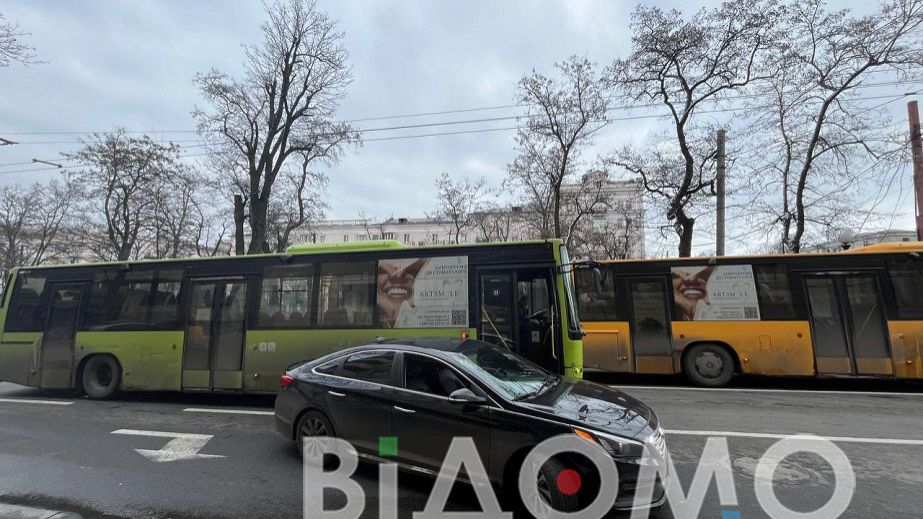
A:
[101,377]
[708,365]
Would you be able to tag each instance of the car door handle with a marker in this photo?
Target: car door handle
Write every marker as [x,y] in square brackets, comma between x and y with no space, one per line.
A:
[404,410]
[334,393]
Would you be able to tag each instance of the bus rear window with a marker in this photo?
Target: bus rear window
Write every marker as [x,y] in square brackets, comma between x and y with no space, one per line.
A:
[26,313]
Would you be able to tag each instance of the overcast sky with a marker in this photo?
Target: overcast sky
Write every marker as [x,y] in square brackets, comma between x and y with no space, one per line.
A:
[130,63]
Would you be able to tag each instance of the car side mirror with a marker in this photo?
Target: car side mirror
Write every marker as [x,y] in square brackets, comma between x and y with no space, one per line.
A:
[466,396]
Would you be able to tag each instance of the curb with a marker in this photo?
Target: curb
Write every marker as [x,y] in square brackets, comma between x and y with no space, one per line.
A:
[28,512]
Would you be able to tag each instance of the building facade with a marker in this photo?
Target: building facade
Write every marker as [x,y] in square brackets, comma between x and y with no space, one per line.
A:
[604,217]
[863,239]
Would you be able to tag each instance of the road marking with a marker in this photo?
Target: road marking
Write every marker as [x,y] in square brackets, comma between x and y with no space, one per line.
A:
[226,411]
[183,446]
[37,402]
[754,390]
[774,436]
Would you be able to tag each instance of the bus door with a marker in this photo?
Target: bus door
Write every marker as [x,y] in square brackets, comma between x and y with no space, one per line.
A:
[518,311]
[57,350]
[848,324]
[649,319]
[215,334]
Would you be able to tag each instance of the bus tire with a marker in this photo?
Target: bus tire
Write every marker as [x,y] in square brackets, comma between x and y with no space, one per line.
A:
[709,365]
[101,377]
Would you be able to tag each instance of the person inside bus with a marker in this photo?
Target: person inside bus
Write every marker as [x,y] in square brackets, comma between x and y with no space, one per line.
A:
[690,290]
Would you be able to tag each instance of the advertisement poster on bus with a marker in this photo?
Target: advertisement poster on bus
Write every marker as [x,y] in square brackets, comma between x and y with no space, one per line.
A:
[715,293]
[423,292]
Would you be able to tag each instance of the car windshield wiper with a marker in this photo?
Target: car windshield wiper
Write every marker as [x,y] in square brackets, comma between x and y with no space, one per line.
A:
[548,383]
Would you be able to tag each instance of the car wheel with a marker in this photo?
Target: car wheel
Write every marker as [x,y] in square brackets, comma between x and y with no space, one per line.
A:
[709,365]
[312,424]
[101,377]
[550,488]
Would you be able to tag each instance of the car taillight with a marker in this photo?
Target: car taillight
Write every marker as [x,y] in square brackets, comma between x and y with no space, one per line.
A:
[287,380]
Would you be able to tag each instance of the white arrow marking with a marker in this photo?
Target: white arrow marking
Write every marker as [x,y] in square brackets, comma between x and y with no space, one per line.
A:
[183,446]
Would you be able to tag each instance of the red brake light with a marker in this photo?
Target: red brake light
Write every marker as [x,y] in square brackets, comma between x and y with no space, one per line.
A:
[287,380]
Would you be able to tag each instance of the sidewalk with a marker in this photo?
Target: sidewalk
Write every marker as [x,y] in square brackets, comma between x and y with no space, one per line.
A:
[26,512]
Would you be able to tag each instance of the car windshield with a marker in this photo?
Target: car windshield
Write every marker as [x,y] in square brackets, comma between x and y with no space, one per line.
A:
[510,375]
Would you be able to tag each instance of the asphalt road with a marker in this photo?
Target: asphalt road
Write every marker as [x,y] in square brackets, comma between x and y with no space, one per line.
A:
[61,452]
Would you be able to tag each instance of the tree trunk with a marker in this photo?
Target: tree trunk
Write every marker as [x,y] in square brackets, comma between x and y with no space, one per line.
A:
[239,225]
[684,229]
[257,227]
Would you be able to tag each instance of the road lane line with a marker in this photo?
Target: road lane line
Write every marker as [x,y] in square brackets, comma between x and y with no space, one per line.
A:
[754,390]
[774,436]
[226,411]
[37,402]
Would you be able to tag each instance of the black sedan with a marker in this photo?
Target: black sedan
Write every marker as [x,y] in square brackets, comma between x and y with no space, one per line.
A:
[405,400]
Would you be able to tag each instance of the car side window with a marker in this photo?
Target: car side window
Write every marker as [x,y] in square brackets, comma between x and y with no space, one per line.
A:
[428,375]
[369,366]
[328,368]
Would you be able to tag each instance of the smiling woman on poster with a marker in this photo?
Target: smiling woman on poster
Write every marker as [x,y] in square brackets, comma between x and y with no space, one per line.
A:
[395,288]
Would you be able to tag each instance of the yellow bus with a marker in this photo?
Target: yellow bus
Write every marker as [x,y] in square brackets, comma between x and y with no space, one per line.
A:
[857,313]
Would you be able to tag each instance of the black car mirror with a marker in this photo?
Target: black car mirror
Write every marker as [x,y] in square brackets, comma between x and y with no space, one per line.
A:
[466,396]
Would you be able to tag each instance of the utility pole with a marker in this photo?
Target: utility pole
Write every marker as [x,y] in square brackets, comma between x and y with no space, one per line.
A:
[913,115]
[719,187]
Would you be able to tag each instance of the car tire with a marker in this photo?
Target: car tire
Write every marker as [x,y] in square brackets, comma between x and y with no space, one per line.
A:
[708,365]
[101,377]
[312,424]
[550,491]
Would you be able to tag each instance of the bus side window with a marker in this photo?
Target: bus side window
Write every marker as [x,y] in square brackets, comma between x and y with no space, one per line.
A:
[593,304]
[26,313]
[774,292]
[345,295]
[285,297]
[907,278]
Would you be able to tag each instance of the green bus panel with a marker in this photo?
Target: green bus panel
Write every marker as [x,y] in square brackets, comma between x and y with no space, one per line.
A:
[150,360]
[269,352]
[19,358]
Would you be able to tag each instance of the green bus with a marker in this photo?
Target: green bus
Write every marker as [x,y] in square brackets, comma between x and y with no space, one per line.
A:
[235,323]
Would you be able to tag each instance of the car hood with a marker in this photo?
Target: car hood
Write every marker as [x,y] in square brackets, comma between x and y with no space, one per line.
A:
[595,406]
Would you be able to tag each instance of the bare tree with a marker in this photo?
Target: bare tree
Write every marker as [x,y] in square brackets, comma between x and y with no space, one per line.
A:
[821,143]
[494,222]
[119,175]
[459,201]
[31,220]
[664,175]
[12,49]
[177,198]
[682,63]
[563,116]
[281,109]
[297,205]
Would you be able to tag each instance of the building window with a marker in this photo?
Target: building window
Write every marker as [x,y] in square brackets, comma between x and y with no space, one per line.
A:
[346,295]
[345,238]
[285,297]
[406,237]
[435,238]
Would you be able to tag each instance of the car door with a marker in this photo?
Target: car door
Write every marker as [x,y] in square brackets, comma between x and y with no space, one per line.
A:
[359,399]
[425,421]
